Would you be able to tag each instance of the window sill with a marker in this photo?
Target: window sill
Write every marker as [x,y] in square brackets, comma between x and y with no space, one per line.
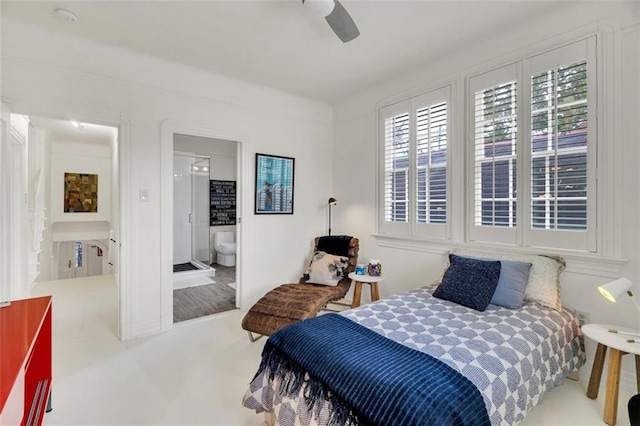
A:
[579,263]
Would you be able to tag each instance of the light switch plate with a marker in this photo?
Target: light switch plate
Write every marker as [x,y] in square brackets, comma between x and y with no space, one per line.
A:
[144,195]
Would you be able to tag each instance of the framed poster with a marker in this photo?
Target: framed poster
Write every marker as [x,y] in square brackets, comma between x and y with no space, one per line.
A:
[80,193]
[274,184]
[223,202]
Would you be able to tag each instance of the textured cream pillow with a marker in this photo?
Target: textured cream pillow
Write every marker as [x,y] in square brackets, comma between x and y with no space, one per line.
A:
[543,286]
[326,269]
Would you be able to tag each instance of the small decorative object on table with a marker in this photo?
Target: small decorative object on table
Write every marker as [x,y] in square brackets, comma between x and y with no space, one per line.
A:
[375,268]
[361,269]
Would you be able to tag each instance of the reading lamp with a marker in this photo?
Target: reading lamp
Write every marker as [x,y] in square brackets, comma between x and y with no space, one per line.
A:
[332,202]
[614,289]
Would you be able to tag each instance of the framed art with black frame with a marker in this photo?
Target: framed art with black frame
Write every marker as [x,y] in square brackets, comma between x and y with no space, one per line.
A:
[274,184]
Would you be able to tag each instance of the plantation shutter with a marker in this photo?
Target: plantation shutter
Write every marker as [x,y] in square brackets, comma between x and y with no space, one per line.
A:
[431,115]
[431,164]
[494,155]
[562,149]
[414,159]
[396,155]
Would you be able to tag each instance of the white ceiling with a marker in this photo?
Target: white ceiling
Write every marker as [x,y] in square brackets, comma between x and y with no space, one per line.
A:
[278,43]
[67,131]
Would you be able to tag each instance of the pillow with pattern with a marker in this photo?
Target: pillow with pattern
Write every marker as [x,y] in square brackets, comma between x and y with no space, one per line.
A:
[326,269]
[469,282]
[543,284]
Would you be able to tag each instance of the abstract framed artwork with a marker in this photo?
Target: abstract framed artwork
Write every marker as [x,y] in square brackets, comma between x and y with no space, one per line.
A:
[274,184]
[80,193]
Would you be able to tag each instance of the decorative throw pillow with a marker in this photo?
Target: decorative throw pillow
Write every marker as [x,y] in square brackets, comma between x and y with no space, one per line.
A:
[326,269]
[543,285]
[512,284]
[469,282]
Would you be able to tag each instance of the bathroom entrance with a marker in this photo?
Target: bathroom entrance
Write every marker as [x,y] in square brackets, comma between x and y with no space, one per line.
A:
[204,226]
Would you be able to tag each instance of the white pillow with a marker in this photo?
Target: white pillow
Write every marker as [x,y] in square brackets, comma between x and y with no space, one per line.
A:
[543,286]
[326,269]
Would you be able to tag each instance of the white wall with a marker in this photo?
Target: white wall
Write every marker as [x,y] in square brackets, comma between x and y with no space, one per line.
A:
[71,157]
[48,74]
[356,138]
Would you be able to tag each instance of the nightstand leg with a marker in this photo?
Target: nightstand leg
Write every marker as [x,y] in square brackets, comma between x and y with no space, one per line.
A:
[374,292]
[613,381]
[357,293]
[596,371]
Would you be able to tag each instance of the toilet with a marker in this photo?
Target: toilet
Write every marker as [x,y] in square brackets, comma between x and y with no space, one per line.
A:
[225,248]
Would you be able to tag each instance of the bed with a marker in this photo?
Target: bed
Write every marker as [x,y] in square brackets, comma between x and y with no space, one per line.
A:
[414,358]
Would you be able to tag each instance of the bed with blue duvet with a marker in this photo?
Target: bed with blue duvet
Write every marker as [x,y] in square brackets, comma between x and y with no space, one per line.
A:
[422,357]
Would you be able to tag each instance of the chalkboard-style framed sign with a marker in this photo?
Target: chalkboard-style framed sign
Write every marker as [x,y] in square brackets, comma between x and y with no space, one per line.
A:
[223,202]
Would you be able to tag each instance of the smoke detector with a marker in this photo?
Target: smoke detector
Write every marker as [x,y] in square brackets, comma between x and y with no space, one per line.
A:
[65,15]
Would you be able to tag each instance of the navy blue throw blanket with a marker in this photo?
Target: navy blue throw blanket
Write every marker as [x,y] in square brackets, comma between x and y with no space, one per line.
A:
[368,378]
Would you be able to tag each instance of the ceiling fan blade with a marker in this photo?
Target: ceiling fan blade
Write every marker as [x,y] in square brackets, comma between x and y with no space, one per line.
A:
[341,23]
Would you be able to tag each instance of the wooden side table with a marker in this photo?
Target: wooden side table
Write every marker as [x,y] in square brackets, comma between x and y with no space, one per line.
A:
[364,279]
[619,346]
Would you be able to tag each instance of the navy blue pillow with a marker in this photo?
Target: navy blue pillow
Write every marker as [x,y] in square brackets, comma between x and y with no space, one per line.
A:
[512,283]
[469,282]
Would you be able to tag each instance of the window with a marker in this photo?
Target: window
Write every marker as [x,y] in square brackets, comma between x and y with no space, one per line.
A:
[396,168]
[415,140]
[78,254]
[534,151]
[495,155]
[529,178]
[559,148]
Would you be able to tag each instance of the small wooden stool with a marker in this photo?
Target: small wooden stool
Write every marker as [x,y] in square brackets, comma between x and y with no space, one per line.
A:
[364,279]
[618,345]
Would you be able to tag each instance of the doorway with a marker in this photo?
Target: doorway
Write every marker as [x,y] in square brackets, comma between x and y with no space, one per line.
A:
[76,259]
[203,169]
[74,176]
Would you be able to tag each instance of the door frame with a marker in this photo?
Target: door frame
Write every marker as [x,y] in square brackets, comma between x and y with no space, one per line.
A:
[62,111]
[168,129]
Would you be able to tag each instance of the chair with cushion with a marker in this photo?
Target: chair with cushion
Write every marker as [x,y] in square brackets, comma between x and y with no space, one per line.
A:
[326,280]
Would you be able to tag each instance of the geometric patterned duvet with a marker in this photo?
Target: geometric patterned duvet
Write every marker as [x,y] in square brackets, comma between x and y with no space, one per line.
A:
[513,356]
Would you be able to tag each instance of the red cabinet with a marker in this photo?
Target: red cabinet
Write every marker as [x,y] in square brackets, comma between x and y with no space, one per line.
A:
[25,361]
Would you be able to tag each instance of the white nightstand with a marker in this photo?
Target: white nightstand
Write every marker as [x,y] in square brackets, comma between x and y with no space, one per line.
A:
[364,279]
[619,346]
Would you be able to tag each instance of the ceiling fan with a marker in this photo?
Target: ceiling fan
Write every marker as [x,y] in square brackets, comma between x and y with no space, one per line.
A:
[337,16]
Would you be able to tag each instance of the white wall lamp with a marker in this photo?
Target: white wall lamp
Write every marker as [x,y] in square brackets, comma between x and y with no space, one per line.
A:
[614,289]
[332,202]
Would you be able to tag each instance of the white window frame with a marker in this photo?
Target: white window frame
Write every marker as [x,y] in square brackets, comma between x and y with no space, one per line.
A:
[411,227]
[502,235]
[606,258]
[523,234]
[585,241]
